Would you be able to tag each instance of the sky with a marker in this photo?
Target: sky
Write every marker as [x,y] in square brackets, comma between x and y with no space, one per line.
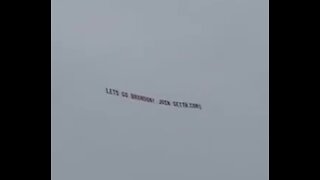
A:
[211,52]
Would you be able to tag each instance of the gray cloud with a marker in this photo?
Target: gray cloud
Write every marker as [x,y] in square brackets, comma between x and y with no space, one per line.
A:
[211,52]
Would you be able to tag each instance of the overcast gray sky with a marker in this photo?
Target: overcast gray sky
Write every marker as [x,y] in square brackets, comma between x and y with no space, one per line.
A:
[212,52]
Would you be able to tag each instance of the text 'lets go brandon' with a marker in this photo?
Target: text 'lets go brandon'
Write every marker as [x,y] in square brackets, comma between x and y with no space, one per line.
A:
[147,99]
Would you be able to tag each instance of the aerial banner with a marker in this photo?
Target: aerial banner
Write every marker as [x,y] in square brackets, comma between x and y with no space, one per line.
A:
[147,99]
